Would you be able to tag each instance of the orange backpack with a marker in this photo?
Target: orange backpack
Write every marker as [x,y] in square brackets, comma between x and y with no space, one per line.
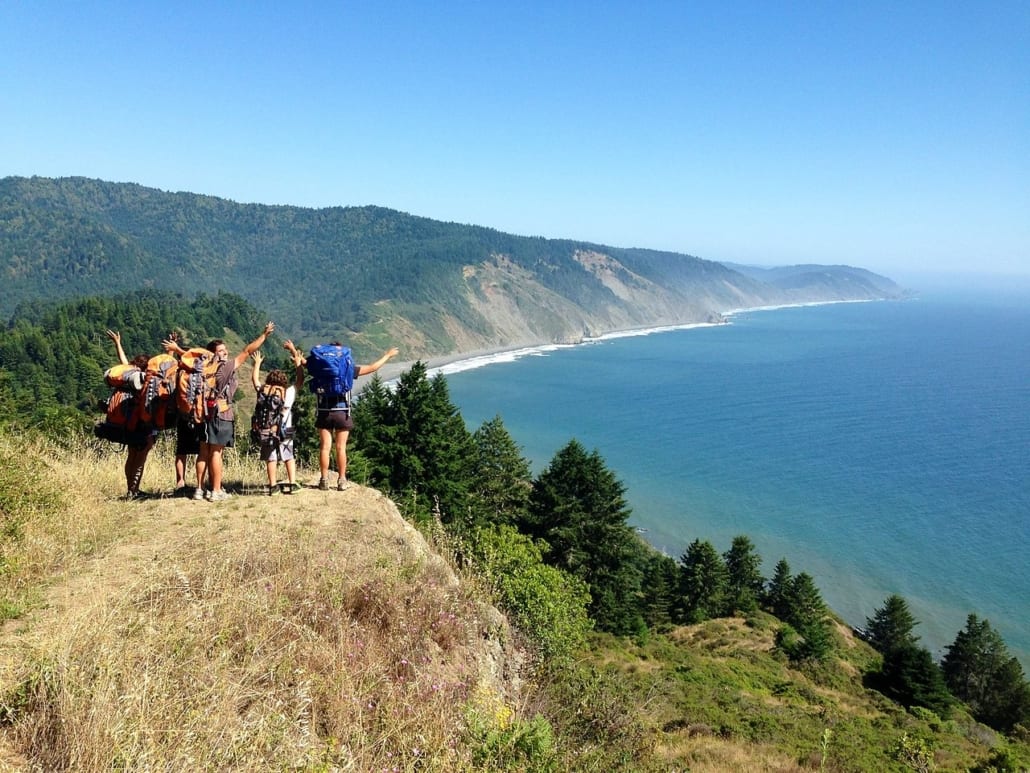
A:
[155,407]
[121,377]
[118,425]
[196,378]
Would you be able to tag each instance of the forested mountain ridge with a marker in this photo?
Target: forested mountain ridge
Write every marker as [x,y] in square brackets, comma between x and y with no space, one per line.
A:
[367,273]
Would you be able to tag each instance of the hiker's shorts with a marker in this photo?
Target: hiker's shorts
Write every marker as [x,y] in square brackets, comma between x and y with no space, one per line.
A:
[273,450]
[334,420]
[187,437]
[219,432]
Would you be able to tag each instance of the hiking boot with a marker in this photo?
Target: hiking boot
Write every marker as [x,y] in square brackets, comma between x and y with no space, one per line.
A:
[323,484]
[343,484]
[288,488]
[198,494]
[219,496]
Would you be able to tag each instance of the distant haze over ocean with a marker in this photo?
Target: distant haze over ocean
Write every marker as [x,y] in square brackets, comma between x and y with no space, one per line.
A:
[882,447]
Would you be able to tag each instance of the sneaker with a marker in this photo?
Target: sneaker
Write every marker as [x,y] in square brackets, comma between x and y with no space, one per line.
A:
[288,488]
[272,490]
[198,494]
[323,484]
[343,484]
[219,496]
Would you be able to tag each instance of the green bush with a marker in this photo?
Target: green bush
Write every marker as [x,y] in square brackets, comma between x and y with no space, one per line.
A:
[546,604]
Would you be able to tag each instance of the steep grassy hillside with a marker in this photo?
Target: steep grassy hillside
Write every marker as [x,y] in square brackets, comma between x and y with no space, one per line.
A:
[321,632]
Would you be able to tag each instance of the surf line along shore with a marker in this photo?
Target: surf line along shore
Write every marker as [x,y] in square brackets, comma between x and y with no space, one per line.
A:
[460,361]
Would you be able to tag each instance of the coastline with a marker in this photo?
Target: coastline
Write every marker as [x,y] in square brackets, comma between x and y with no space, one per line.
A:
[456,362]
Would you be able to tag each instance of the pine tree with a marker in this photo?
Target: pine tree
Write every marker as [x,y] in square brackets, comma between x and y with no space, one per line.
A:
[502,482]
[891,626]
[745,579]
[910,677]
[779,587]
[415,438]
[577,507]
[661,590]
[703,582]
[979,670]
[806,612]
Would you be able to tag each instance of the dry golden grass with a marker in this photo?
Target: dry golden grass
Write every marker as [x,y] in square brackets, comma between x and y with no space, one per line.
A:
[311,632]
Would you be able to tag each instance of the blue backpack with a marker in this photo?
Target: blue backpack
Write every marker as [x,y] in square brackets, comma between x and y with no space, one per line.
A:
[332,374]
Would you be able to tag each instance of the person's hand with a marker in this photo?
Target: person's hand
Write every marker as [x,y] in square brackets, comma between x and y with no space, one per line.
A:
[269,328]
[258,359]
[393,352]
[174,336]
[288,345]
[114,336]
[171,346]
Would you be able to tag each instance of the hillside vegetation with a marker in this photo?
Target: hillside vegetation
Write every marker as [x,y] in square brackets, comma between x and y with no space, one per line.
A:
[321,632]
[373,275]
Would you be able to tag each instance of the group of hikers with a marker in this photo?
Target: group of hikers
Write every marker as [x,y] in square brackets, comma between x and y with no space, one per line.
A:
[192,390]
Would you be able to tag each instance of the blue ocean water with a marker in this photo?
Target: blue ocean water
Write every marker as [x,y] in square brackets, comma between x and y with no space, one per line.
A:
[882,447]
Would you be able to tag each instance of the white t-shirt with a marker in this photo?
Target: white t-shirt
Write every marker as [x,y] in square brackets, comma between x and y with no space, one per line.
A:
[291,395]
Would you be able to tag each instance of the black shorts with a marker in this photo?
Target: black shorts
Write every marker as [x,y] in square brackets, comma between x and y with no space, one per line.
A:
[219,432]
[187,437]
[334,420]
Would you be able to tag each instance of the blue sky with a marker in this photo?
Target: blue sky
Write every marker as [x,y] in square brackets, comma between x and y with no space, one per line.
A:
[894,136]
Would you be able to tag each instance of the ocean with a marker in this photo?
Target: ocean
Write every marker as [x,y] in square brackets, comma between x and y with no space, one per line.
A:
[882,447]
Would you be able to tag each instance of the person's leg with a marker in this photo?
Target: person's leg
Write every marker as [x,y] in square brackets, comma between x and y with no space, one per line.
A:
[325,440]
[341,456]
[291,472]
[180,471]
[135,458]
[135,461]
[270,469]
[203,463]
[215,468]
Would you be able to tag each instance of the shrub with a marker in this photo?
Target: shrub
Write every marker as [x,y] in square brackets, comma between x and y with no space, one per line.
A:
[546,604]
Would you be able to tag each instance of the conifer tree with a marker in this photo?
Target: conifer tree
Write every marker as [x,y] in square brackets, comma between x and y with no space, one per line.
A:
[891,625]
[703,582]
[416,438]
[577,507]
[745,583]
[502,482]
[779,587]
[806,612]
[979,670]
[661,590]
[910,677]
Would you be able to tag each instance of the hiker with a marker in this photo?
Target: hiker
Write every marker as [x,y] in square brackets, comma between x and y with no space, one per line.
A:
[219,427]
[333,419]
[187,441]
[137,452]
[272,425]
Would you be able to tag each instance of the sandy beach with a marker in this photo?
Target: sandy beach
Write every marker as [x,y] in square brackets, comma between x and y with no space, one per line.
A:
[392,370]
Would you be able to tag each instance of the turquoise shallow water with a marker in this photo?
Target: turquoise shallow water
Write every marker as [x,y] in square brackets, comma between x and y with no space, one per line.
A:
[882,447]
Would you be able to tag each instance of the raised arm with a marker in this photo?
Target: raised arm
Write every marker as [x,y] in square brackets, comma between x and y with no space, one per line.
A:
[172,345]
[364,370]
[117,338]
[254,345]
[298,363]
[255,375]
